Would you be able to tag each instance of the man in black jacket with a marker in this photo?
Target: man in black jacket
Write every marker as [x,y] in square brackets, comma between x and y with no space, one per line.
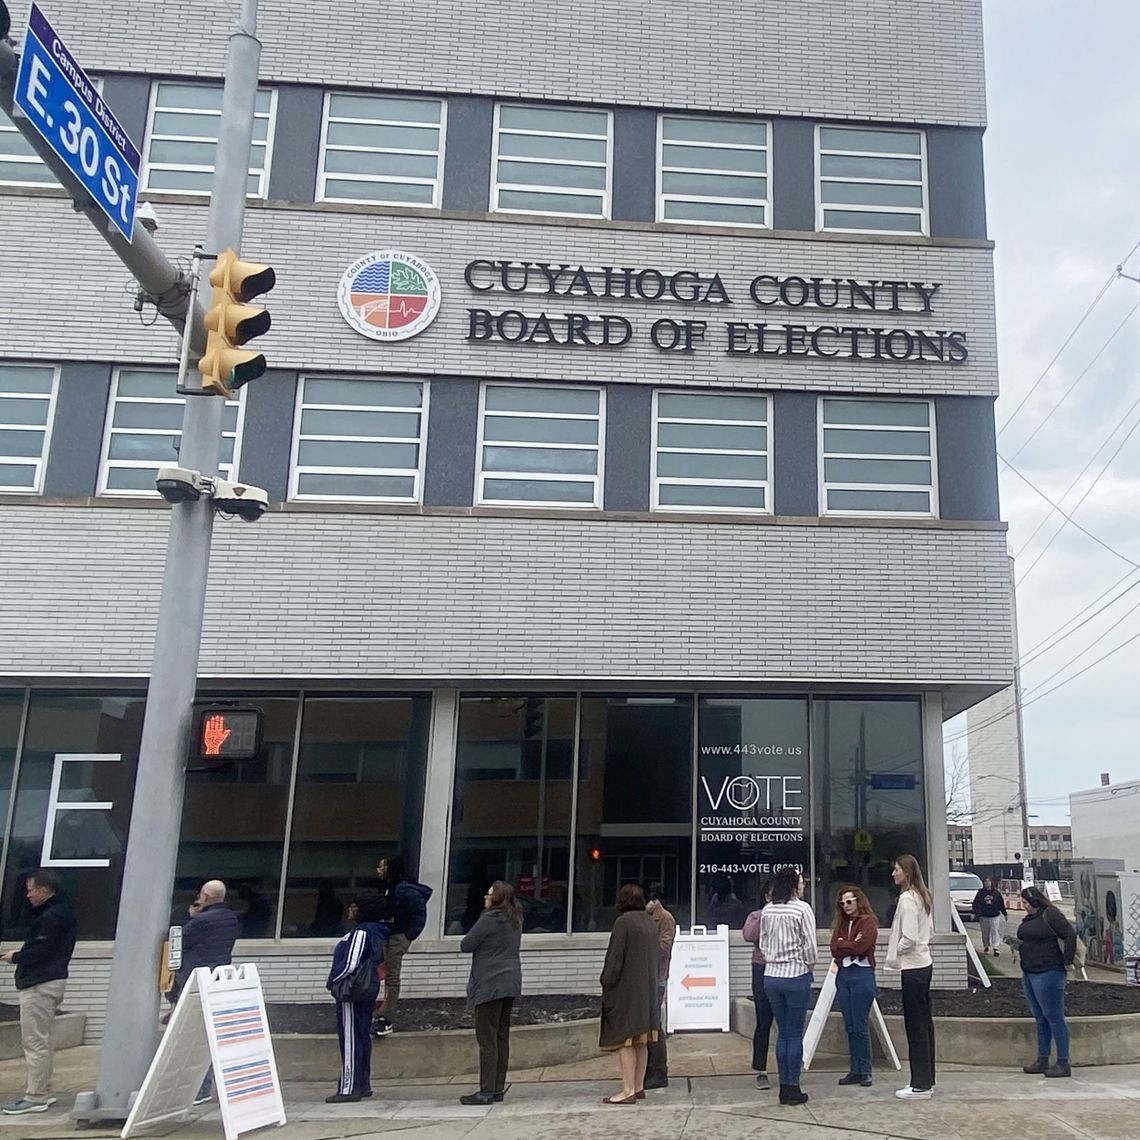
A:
[403,909]
[41,977]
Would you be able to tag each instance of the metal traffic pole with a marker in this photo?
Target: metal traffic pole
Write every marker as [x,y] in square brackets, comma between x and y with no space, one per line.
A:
[131,1033]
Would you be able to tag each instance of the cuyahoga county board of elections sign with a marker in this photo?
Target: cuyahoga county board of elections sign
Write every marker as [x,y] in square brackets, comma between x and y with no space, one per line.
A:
[389,295]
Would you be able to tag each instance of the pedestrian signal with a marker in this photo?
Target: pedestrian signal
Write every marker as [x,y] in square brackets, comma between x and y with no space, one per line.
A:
[228,733]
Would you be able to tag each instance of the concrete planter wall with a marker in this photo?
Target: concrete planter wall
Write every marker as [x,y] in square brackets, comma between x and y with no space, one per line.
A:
[989,1042]
[66,1033]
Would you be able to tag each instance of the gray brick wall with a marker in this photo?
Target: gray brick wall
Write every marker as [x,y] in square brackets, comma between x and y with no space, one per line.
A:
[296,972]
[379,595]
[311,247]
[894,60]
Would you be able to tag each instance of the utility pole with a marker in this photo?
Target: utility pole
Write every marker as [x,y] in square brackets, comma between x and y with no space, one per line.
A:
[132,1027]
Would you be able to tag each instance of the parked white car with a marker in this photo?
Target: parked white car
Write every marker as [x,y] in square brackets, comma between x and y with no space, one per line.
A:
[963,888]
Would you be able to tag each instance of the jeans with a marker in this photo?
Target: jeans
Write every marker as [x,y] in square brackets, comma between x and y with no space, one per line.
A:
[919,1022]
[1045,994]
[855,988]
[763,1032]
[789,999]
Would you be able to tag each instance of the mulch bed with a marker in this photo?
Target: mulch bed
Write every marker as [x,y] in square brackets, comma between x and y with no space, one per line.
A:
[419,1014]
[1006,999]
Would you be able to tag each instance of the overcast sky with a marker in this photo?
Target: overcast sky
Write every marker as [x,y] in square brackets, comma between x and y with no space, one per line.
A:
[1063,197]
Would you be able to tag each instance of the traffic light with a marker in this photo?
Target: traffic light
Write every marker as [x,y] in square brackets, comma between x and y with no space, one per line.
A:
[231,322]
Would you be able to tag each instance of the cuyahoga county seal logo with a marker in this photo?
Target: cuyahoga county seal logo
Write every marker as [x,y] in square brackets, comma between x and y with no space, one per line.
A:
[389,295]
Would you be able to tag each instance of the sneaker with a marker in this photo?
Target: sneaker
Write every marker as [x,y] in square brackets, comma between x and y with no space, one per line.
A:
[202,1100]
[865,1081]
[910,1093]
[23,1105]
[850,1079]
[342,1098]
[762,1082]
[1038,1066]
[381,1027]
[1060,1069]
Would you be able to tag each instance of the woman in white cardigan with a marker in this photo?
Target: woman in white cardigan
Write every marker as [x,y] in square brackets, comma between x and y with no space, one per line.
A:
[909,952]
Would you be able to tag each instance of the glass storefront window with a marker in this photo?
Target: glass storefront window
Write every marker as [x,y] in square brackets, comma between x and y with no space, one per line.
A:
[233,825]
[511,809]
[752,801]
[11,713]
[79,752]
[869,796]
[634,804]
[358,798]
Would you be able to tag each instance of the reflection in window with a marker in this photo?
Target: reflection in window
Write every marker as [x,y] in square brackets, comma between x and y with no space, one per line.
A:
[511,809]
[870,796]
[61,724]
[752,780]
[233,825]
[359,798]
[11,714]
[634,814]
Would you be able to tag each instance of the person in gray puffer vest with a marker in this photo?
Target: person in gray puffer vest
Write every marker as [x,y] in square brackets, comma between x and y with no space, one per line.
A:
[495,982]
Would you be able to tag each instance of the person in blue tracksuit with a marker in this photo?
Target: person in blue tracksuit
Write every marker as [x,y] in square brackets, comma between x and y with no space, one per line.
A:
[354,983]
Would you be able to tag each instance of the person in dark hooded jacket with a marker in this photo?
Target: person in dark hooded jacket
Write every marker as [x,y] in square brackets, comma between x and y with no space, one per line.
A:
[353,981]
[403,909]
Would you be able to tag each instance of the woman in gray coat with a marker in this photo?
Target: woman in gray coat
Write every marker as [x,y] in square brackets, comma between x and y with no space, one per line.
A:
[631,1013]
[495,982]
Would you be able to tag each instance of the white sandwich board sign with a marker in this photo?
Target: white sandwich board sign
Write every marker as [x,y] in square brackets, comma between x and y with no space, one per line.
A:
[219,1023]
[697,996]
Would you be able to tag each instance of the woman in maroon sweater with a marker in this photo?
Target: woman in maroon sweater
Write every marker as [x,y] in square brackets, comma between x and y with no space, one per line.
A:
[853,936]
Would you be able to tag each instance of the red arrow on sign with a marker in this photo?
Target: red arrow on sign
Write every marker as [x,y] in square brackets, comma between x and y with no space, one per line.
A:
[688,981]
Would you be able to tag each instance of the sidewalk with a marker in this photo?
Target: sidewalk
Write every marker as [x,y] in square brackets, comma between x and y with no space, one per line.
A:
[715,1098]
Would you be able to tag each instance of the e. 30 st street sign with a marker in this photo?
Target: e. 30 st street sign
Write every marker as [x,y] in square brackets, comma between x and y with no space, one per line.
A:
[63,105]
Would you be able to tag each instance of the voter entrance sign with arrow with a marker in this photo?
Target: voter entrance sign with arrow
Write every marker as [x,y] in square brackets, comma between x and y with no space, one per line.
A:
[697,995]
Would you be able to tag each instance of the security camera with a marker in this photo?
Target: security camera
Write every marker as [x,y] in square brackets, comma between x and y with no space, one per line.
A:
[179,484]
[248,503]
[146,215]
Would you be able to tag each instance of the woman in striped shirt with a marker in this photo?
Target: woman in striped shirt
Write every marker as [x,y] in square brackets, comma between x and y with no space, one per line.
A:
[787,943]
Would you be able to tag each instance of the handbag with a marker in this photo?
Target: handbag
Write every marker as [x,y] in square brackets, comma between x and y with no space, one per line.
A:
[362,985]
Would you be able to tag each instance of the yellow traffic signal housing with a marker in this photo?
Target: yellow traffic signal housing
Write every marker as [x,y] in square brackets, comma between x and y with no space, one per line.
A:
[231,323]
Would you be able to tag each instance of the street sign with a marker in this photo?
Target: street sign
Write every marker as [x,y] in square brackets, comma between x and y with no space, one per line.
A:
[61,102]
[891,782]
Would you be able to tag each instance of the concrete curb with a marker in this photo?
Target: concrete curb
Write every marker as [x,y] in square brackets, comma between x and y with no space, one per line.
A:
[66,1032]
[989,1042]
[441,1053]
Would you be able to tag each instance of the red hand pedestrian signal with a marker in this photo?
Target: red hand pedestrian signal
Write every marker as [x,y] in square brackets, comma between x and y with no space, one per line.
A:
[214,735]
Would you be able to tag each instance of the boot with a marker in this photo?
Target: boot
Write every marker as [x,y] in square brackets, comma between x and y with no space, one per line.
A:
[1060,1069]
[1038,1066]
[792,1094]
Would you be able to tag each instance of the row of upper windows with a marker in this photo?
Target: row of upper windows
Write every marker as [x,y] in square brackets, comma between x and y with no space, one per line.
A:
[388,149]
[538,444]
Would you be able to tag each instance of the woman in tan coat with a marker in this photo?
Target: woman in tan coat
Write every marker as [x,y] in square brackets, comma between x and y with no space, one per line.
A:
[631,1016]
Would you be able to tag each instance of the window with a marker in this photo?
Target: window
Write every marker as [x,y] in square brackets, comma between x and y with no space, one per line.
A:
[712,171]
[871,180]
[27,403]
[183,139]
[551,160]
[540,445]
[359,439]
[19,163]
[710,452]
[381,148]
[144,430]
[878,457]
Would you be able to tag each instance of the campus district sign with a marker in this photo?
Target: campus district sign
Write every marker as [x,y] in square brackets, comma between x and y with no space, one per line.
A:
[697,994]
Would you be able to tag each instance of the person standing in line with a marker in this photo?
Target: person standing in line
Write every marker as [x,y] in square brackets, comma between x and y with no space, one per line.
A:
[762,1034]
[1047,944]
[657,1066]
[853,935]
[787,944]
[631,1014]
[354,982]
[496,980]
[909,952]
[404,912]
[41,978]
[989,909]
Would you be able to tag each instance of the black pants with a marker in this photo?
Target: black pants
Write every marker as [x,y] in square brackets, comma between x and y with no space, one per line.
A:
[493,1034]
[657,1065]
[919,1022]
[763,1032]
[353,1025]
